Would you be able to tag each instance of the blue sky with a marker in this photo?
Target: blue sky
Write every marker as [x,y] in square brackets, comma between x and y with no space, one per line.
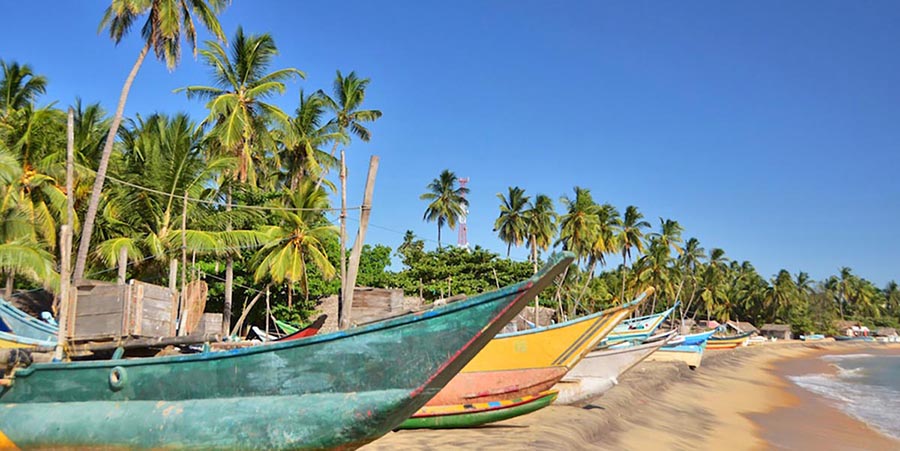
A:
[766,128]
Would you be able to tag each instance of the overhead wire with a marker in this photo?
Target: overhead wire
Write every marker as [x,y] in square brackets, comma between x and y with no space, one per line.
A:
[217,203]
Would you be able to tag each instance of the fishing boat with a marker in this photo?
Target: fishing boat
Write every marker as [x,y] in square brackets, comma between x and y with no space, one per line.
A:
[471,415]
[338,390]
[8,341]
[857,338]
[297,333]
[530,361]
[639,329]
[690,351]
[729,342]
[307,331]
[599,371]
[24,325]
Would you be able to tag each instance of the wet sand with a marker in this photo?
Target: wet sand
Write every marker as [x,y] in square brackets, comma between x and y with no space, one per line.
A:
[737,399]
[812,422]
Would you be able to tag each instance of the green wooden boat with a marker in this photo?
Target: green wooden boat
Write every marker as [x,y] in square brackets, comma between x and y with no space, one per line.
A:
[471,415]
[338,390]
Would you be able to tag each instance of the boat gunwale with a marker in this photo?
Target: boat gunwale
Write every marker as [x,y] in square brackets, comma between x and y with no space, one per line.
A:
[664,313]
[19,339]
[616,351]
[487,407]
[572,322]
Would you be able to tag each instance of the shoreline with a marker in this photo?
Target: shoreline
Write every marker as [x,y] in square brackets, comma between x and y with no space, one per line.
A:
[811,420]
[736,397]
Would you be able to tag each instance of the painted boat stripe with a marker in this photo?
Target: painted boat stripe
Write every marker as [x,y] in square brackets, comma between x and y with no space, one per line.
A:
[591,332]
[559,359]
[606,320]
[6,443]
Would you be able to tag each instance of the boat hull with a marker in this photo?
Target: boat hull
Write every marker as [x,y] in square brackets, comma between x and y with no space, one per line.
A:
[488,386]
[691,355]
[328,391]
[561,344]
[599,371]
[24,325]
[638,329]
[466,416]
[263,422]
[728,342]
[8,340]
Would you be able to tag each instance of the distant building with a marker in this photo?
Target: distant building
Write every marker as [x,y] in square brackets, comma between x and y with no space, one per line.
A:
[779,331]
[852,328]
[885,332]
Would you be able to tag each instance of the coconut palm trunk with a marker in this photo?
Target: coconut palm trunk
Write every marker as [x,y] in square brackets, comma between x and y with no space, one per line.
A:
[229,275]
[10,281]
[96,191]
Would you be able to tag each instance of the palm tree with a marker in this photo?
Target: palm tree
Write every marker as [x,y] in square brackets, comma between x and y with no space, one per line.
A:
[19,87]
[892,298]
[844,287]
[163,153]
[579,225]
[669,234]
[239,113]
[238,110]
[512,224]
[23,220]
[540,226]
[631,235]
[349,94]
[447,201]
[297,239]
[167,22]
[688,263]
[302,155]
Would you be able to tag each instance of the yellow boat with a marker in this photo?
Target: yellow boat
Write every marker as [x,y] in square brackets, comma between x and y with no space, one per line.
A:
[728,342]
[556,345]
[8,341]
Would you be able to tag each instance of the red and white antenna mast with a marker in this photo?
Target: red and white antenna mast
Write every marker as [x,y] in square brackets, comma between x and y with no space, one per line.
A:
[463,240]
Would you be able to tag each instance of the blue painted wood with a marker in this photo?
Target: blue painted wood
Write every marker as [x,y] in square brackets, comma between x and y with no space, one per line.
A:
[25,325]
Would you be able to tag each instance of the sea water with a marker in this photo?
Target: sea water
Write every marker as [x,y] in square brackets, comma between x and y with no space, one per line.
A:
[865,386]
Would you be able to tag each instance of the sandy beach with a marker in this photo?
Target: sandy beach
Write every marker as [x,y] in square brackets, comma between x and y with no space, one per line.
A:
[738,398]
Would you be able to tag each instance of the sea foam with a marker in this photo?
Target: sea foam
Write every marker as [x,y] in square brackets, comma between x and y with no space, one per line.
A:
[875,405]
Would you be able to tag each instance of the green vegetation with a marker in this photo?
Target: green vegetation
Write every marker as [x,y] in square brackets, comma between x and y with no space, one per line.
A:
[257,184]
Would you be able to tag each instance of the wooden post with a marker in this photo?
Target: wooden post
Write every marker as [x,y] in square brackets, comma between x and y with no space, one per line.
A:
[182,302]
[343,309]
[123,265]
[173,274]
[64,290]
[353,267]
[268,313]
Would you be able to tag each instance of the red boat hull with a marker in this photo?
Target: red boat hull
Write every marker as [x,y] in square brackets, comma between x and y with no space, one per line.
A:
[489,386]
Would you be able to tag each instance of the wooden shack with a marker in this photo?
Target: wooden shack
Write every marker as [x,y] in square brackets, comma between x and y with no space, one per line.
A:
[107,311]
[779,331]
[369,304]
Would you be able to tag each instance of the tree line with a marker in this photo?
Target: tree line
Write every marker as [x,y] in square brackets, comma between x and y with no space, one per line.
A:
[247,187]
[243,191]
[631,255]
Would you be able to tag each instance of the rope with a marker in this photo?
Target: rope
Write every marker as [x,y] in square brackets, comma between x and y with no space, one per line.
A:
[213,202]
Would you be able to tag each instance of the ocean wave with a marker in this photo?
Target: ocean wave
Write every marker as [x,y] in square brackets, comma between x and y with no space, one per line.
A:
[839,357]
[848,373]
[873,405]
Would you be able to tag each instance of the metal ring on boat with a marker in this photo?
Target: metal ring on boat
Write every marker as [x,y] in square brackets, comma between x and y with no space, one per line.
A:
[117,378]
